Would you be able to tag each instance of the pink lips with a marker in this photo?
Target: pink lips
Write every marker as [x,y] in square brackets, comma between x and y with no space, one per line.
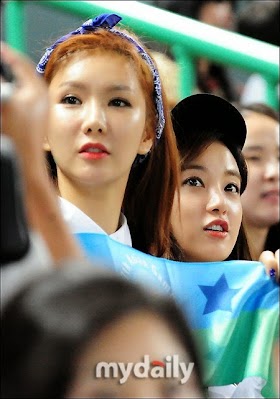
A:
[217,228]
[217,222]
[271,196]
[93,151]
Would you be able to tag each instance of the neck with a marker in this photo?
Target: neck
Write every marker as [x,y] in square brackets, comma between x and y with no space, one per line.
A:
[256,237]
[101,204]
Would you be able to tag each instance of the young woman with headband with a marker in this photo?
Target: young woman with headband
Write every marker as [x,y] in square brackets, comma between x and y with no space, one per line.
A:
[110,143]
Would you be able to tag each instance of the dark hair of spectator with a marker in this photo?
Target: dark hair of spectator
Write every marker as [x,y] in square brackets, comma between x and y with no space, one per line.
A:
[260,20]
[46,326]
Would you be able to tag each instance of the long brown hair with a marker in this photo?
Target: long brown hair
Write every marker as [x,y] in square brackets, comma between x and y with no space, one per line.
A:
[152,184]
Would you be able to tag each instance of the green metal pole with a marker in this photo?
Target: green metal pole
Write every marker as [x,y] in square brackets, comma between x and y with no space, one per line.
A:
[150,22]
[218,45]
[79,8]
[15,34]
[187,74]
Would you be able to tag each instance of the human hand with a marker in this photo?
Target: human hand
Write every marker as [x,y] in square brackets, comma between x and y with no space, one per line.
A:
[25,111]
[25,120]
[271,263]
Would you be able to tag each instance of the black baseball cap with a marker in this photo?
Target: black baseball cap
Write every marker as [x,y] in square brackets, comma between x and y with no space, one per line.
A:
[206,111]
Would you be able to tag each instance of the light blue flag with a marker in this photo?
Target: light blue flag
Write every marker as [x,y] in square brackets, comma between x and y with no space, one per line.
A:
[232,308]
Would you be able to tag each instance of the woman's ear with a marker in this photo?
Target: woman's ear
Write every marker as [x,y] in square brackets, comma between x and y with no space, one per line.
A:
[46,145]
[145,144]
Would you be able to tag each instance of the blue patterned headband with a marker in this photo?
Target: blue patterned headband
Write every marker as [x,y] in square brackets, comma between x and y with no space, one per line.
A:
[108,21]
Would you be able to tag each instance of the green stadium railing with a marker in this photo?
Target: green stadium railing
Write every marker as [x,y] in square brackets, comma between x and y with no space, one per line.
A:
[187,38]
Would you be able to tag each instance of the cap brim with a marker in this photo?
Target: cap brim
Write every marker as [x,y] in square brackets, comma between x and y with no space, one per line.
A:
[207,111]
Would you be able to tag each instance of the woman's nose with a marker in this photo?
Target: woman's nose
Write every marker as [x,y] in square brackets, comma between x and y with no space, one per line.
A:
[94,119]
[217,202]
[272,169]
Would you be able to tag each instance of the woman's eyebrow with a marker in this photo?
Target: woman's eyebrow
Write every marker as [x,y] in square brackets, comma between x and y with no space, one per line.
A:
[72,83]
[119,87]
[80,85]
[233,172]
[228,172]
[195,167]
[253,148]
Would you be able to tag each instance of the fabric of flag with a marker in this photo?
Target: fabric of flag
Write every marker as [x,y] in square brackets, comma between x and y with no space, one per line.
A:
[232,307]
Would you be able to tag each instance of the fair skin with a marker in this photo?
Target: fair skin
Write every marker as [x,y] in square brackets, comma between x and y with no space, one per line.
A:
[219,14]
[96,100]
[260,200]
[24,119]
[209,196]
[126,340]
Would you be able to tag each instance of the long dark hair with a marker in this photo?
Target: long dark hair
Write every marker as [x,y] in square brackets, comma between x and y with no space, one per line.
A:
[259,108]
[52,319]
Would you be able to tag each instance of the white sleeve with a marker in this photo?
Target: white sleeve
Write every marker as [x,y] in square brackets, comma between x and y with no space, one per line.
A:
[254,90]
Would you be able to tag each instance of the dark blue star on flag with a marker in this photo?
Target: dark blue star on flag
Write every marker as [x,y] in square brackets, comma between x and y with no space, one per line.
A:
[218,296]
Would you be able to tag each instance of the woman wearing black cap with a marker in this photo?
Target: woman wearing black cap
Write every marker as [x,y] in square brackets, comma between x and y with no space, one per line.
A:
[207,219]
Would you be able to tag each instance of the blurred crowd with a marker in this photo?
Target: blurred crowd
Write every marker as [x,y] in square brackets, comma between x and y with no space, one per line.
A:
[257,19]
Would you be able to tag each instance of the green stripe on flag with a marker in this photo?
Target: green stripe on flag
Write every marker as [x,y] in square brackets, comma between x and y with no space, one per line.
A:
[241,348]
